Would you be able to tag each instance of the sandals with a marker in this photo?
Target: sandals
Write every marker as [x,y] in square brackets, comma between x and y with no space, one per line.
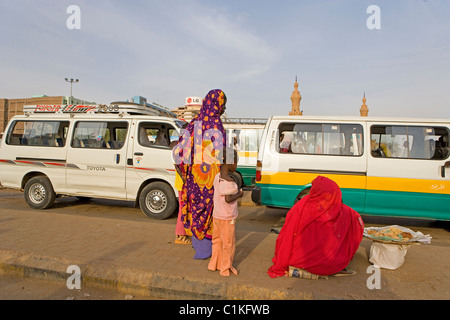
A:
[346,272]
[183,239]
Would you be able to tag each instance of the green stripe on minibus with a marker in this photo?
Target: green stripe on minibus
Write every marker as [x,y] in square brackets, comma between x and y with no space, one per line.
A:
[247,173]
[372,202]
[284,196]
[408,204]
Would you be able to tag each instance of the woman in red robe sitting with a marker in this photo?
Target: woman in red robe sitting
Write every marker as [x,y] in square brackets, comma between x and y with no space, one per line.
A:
[320,234]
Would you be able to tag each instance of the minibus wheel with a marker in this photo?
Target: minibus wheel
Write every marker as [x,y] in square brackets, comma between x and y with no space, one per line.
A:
[237,178]
[157,200]
[38,193]
[301,195]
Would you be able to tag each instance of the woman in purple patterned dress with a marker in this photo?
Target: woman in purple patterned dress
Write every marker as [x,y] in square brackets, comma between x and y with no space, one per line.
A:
[196,160]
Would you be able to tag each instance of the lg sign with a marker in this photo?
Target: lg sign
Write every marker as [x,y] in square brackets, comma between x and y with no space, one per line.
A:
[193,101]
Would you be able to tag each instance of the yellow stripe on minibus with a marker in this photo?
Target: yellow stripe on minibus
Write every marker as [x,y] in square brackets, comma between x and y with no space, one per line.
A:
[296,178]
[408,185]
[247,154]
[359,182]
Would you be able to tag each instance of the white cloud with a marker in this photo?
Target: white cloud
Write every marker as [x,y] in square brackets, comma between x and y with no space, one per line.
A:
[225,38]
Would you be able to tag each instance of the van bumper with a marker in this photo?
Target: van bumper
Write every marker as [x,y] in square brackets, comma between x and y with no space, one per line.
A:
[256,195]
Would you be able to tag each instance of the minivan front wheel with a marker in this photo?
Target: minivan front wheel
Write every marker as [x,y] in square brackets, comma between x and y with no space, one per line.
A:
[157,200]
[38,193]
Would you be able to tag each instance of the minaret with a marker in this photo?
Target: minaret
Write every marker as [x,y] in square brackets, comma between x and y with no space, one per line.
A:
[295,98]
[364,110]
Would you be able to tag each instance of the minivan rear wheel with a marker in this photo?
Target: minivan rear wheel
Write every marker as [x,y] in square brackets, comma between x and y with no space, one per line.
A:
[157,200]
[38,193]
[301,195]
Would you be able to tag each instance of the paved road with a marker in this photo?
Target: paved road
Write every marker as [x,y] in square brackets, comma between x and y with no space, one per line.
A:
[113,241]
[23,288]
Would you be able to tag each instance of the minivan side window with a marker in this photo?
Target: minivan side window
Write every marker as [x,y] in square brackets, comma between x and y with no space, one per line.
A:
[409,142]
[159,135]
[99,135]
[319,138]
[38,133]
[246,139]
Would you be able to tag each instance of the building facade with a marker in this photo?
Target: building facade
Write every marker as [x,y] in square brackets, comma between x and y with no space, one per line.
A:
[191,108]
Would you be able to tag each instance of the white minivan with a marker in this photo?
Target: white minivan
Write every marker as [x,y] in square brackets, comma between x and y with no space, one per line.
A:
[56,151]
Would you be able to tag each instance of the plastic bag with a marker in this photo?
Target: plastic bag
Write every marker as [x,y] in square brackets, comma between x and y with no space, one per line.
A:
[388,256]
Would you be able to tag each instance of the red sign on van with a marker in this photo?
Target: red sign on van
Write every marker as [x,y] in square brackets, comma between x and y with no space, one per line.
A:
[65,109]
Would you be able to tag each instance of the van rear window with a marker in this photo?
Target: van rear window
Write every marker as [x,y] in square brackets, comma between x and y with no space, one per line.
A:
[38,133]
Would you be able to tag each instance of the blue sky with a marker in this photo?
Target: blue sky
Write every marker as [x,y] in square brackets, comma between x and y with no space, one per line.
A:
[167,50]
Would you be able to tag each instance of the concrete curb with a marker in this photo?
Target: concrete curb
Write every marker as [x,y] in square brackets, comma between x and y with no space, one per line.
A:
[137,281]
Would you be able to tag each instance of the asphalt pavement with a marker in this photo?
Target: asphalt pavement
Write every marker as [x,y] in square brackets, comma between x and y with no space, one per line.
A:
[112,245]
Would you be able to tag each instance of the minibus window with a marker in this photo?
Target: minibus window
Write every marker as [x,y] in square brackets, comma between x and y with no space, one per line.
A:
[245,139]
[98,135]
[441,141]
[317,138]
[236,139]
[251,140]
[156,135]
[409,142]
[173,136]
[120,134]
[307,138]
[38,133]
[333,139]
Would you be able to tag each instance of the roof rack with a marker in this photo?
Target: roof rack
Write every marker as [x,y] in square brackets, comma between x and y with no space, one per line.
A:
[244,121]
[90,109]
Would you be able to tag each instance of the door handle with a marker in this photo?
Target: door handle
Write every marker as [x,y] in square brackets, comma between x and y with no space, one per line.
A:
[117,158]
[138,154]
[446,165]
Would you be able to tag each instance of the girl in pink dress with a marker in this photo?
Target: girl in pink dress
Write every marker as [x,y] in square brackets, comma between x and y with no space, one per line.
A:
[225,212]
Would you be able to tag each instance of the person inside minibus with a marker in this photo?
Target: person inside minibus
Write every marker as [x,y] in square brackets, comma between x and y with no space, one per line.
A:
[161,139]
[441,148]
[284,144]
[298,144]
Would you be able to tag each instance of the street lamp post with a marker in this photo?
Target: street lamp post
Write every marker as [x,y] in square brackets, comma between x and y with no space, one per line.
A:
[71,82]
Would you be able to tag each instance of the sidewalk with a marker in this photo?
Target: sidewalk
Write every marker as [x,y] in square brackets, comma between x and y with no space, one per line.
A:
[138,256]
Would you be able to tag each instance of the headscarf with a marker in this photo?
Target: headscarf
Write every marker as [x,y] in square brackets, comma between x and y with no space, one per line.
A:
[197,154]
[320,234]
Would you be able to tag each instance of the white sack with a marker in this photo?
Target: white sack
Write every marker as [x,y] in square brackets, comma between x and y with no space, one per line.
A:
[387,256]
